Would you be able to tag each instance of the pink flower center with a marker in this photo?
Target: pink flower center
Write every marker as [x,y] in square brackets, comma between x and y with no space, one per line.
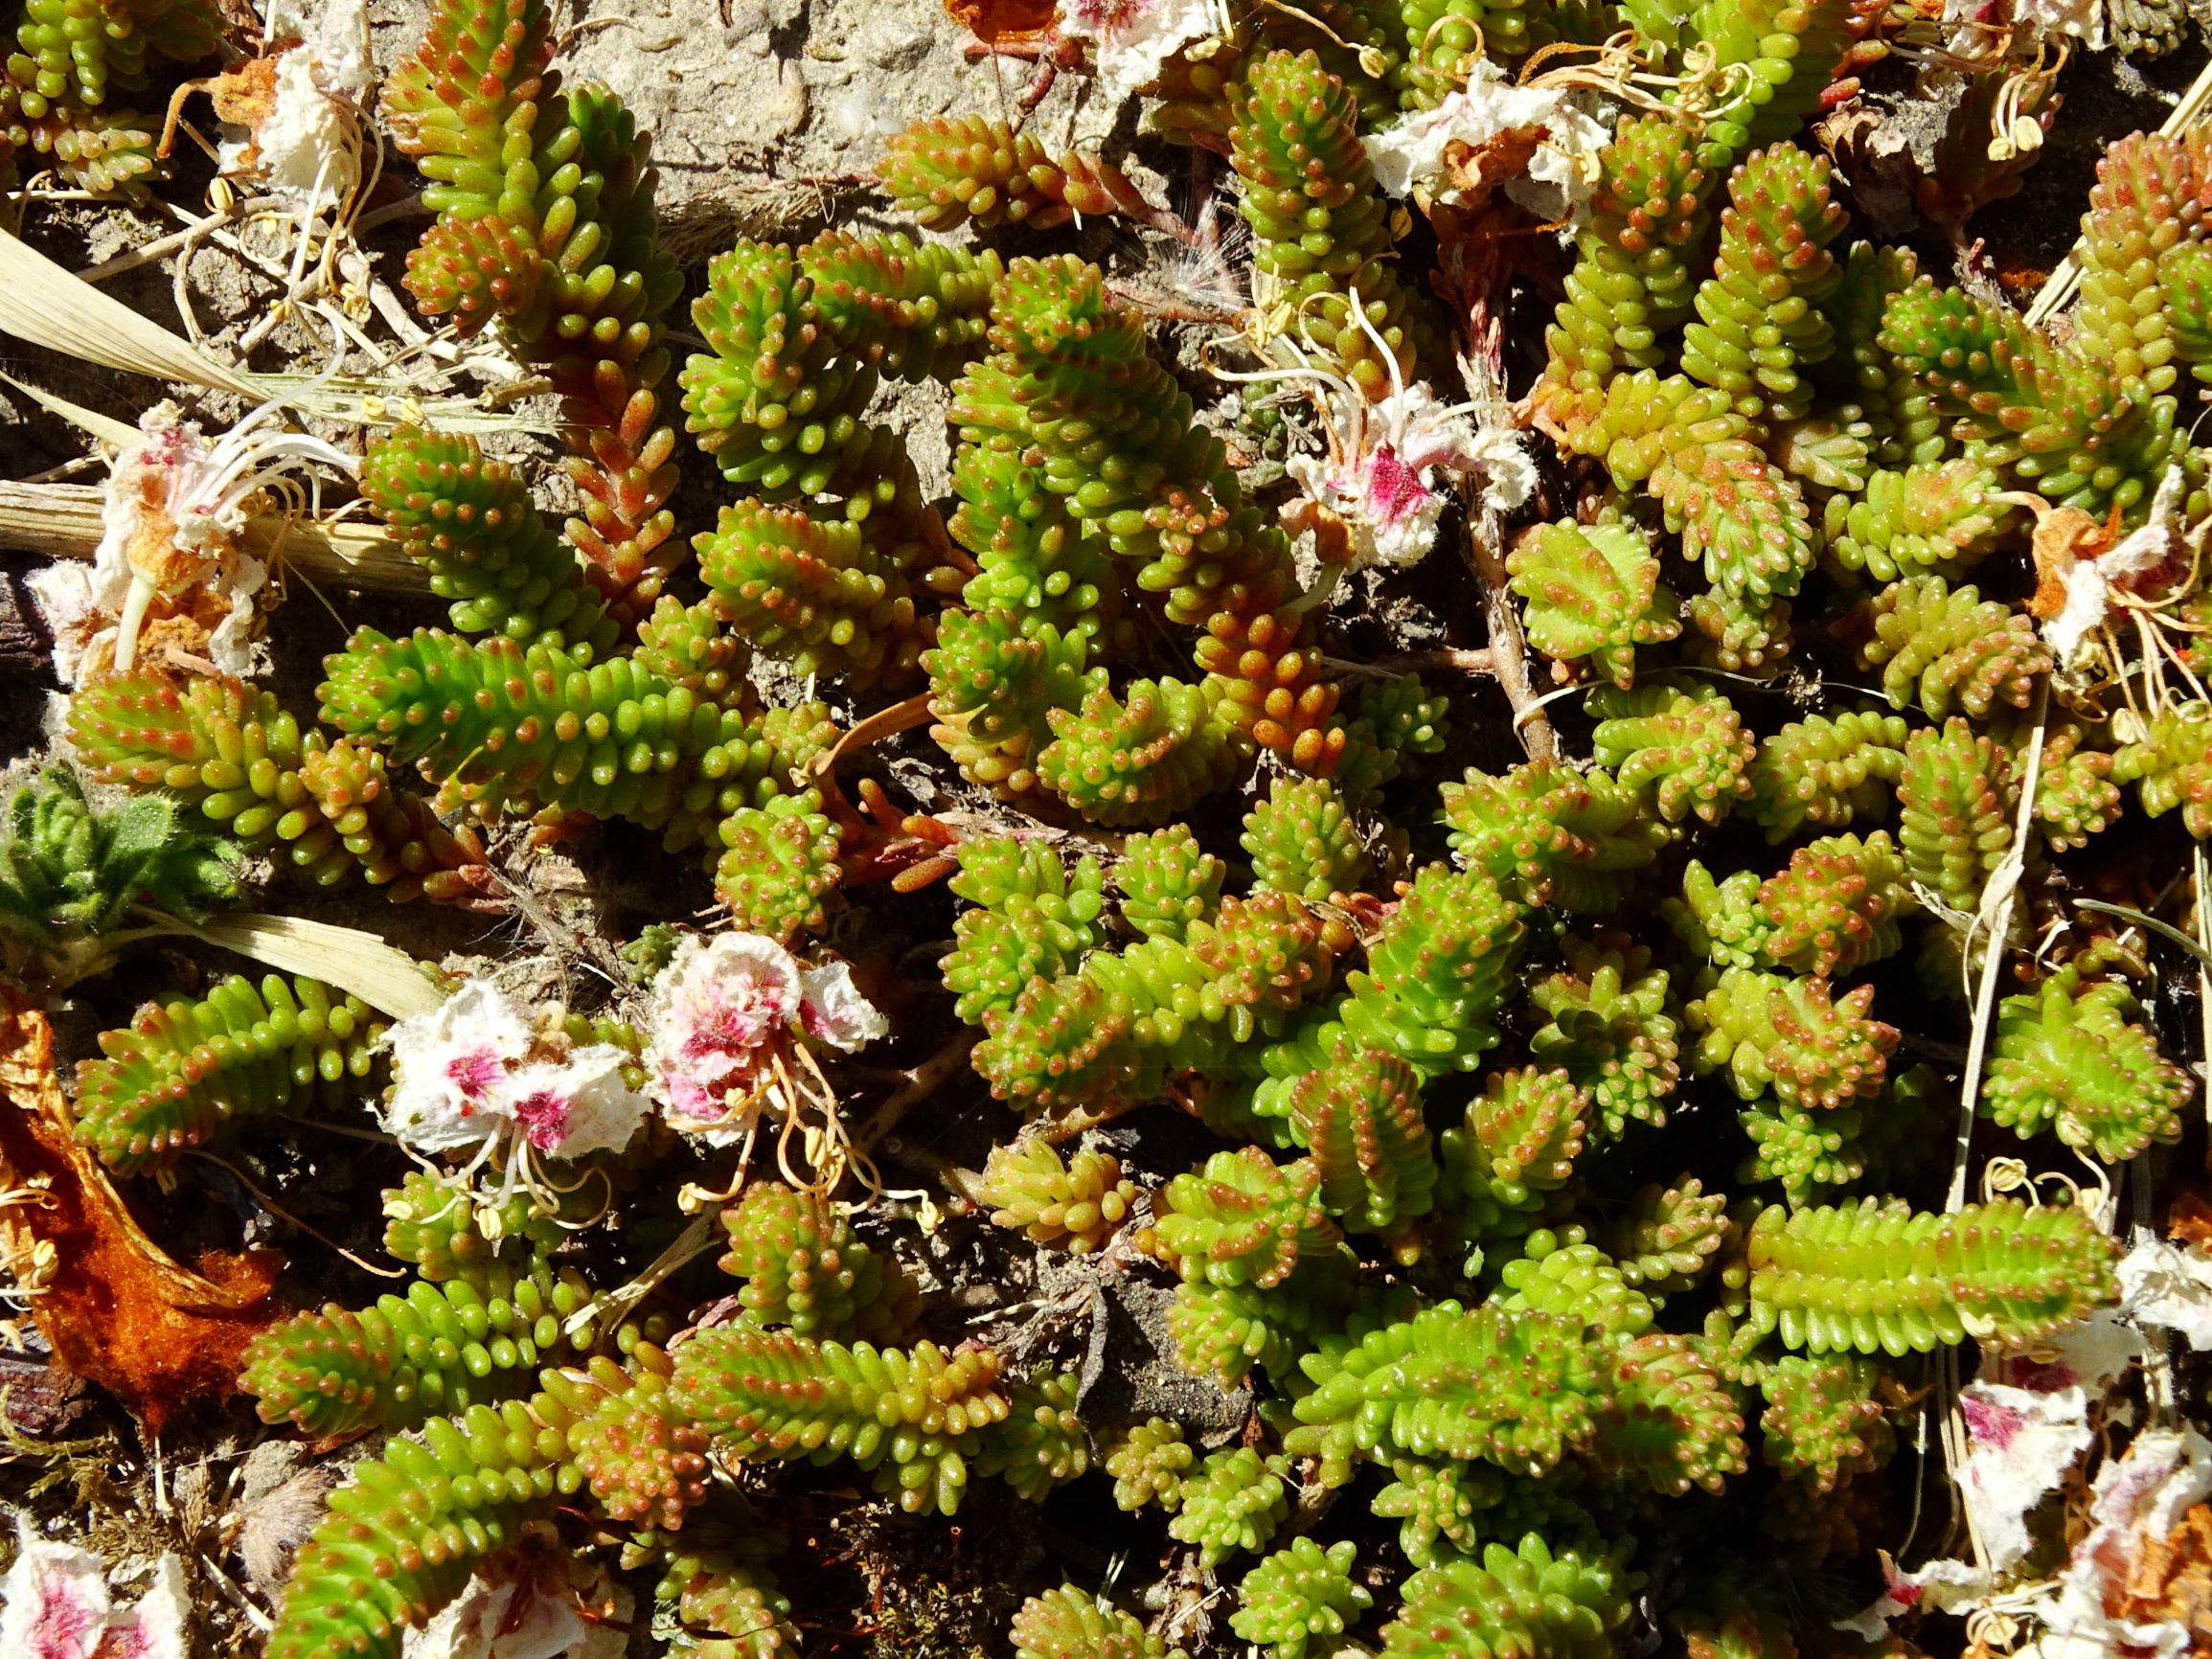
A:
[1990,1424]
[544,1119]
[2039,1377]
[1393,489]
[687,1097]
[736,1022]
[62,1627]
[475,1075]
[1106,16]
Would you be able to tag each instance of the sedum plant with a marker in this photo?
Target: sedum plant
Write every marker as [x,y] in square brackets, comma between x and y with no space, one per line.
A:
[804,1271]
[1876,1277]
[1524,1599]
[1076,1204]
[1352,1088]
[546,233]
[1611,1030]
[182,1074]
[435,1351]
[2065,1057]
[1066,1624]
[1299,1594]
[1151,1466]
[1235,1502]
[1303,840]
[1688,748]
[1593,592]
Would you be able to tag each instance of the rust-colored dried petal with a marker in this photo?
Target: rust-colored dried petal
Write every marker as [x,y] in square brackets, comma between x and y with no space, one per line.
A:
[117,1309]
[995,22]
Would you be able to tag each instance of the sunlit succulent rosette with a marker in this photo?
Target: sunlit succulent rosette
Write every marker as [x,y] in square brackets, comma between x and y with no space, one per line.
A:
[736,1026]
[481,1077]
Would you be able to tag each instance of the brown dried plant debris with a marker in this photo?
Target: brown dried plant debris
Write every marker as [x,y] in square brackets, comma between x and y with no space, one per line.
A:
[2189,1220]
[116,1308]
[2172,1583]
[994,21]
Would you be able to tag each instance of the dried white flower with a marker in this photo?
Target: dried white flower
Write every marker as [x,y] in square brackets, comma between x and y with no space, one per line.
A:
[304,144]
[719,1011]
[69,602]
[518,1615]
[2169,1286]
[154,1627]
[1940,1586]
[722,1013]
[2138,1499]
[577,1105]
[1380,484]
[1427,154]
[474,1073]
[832,1011]
[55,1603]
[2086,585]
[2082,20]
[449,1069]
[174,508]
[1131,40]
[2022,1444]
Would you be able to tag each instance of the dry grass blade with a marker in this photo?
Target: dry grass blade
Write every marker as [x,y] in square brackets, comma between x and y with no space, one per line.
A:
[105,427]
[386,979]
[62,521]
[49,306]
[367,403]
[2150,923]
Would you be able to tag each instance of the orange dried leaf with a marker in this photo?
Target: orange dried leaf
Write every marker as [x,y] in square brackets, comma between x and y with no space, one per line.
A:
[2064,536]
[997,21]
[117,1309]
[2172,1582]
[2189,1221]
[1476,171]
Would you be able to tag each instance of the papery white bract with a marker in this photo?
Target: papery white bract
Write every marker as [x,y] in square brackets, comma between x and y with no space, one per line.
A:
[577,1105]
[56,1602]
[1379,478]
[2136,1501]
[308,147]
[509,1615]
[832,1011]
[1500,455]
[2022,1444]
[2169,1286]
[718,1012]
[2086,585]
[174,508]
[2082,20]
[154,1625]
[1940,1586]
[70,605]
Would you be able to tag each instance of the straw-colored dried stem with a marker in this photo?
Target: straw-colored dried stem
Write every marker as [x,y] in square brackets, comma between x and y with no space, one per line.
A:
[1508,649]
[62,521]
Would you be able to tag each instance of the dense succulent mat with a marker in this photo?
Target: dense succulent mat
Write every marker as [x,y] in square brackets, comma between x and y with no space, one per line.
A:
[1608,1133]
